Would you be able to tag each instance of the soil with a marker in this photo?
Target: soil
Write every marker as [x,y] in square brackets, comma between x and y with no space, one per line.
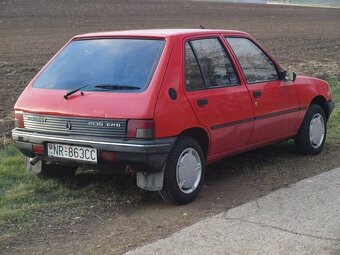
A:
[303,39]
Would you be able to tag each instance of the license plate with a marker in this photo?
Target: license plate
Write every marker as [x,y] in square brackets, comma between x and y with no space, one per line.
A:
[72,152]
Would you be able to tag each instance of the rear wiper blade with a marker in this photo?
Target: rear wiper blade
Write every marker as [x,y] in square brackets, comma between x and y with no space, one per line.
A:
[69,93]
[103,86]
[116,87]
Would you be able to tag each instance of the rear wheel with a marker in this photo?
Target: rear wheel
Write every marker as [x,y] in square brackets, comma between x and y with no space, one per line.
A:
[184,172]
[312,134]
[50,170]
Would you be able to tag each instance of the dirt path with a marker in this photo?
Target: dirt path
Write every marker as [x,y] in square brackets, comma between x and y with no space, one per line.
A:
[305,39]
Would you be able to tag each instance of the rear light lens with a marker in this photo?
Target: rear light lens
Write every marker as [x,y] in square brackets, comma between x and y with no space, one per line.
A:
[108,155]
[38,148]
[141,128]
[19,119]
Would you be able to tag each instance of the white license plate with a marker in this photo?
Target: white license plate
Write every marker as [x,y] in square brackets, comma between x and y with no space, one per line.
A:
[72,152]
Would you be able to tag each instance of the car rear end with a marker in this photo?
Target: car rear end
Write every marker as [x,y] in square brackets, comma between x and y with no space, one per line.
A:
[93,103]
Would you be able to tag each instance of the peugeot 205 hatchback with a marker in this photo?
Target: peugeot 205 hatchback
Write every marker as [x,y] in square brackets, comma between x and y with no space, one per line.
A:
[166,102]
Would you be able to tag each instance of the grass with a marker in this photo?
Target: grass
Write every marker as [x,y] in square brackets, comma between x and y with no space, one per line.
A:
[334,122]
[28,202]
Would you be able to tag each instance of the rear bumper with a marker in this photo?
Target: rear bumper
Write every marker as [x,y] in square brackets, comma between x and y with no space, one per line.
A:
[150,155]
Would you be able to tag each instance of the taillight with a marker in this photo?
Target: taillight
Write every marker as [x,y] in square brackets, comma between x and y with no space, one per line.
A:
[38,148]
[19,119]
[140,128]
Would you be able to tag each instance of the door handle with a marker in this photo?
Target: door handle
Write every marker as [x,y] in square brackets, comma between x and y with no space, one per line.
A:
[202,102]
[257,93]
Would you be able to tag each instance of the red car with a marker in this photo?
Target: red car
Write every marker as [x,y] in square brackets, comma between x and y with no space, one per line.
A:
[166,102]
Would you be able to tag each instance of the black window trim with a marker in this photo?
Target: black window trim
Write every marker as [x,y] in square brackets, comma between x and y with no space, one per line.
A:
[200,67]
[278,70]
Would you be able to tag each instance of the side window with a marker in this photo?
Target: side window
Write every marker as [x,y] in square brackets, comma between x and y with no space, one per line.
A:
[214,62]
[193,77]
[256,65]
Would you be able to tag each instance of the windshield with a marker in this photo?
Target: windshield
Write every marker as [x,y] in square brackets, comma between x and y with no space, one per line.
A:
[103,64]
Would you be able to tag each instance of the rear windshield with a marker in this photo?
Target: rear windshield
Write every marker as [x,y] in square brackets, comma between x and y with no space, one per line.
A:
[103,64]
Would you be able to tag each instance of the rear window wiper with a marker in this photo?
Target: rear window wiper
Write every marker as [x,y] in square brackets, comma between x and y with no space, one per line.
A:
[117,87]
[103,86]
[69,93]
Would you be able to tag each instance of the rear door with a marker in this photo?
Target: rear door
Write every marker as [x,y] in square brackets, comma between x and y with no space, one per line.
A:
[275,101]
[222,104]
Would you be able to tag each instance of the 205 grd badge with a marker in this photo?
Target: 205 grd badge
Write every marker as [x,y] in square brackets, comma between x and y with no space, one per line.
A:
[103,124]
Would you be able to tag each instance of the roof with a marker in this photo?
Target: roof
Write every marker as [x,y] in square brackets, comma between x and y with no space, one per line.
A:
[158,32]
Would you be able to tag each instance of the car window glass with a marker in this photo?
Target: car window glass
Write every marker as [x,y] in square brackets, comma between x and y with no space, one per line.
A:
[215,63]
[256,65]
[101,62]
[193,77]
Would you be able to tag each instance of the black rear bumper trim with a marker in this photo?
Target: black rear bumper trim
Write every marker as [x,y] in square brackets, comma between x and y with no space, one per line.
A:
[149,154]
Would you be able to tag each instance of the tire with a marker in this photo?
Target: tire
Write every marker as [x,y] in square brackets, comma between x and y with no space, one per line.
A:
[181,186]
[312,133]
[50,170]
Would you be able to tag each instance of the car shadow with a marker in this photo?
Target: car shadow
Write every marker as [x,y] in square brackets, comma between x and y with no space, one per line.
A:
[234,180]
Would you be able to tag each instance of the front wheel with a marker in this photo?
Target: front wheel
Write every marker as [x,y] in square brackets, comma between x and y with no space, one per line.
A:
[184,172]
[312,134]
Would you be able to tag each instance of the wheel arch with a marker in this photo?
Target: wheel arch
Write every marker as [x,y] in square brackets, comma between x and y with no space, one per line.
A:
[322,102]
[200,135]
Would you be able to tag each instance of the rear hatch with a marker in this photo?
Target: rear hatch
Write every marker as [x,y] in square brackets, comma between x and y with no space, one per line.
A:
[93,86]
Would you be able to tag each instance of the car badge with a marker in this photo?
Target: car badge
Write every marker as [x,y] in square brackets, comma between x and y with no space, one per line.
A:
[68,125]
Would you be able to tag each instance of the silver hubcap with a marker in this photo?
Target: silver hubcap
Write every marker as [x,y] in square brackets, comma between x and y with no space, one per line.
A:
[317,130]
[188,170]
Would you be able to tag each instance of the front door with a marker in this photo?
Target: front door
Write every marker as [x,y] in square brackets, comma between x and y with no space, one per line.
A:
[275,101]
[222,104]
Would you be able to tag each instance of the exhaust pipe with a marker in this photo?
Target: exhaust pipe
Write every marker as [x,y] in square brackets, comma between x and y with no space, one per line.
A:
[35,160]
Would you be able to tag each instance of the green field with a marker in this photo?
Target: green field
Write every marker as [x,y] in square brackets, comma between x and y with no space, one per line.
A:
[28,202]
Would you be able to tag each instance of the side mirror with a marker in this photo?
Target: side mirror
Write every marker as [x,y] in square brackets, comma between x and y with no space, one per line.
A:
[289,76]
